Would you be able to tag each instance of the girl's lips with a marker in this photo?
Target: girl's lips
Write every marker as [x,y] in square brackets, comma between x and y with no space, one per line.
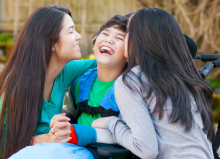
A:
[77,47]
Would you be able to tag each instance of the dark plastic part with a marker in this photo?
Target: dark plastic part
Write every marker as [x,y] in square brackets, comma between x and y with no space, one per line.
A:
[114,151]
[216,143]
[206,70]
[216,63]
[191,45]
[197,57]
[209,57]
[95,154]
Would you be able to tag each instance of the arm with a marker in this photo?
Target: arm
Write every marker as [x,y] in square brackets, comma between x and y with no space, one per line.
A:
[79,134]
[59,123]
[47,138]
[77,68]
[86,135]
[44,138]
[138,134]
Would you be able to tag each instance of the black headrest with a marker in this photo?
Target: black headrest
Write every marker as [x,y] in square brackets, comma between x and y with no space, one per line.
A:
[191,44]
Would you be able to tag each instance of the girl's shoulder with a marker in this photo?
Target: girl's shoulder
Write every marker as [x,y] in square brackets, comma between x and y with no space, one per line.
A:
[134,78]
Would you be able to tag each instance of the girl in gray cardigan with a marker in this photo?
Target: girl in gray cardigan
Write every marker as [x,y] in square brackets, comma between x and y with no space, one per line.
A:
[163,100]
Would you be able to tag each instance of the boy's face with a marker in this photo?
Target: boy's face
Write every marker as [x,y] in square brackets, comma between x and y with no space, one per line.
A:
[109,48]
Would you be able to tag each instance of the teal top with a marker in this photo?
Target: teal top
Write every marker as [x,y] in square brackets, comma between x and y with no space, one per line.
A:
[67,76]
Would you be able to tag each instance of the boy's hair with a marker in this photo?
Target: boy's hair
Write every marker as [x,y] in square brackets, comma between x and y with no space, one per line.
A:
[119,21]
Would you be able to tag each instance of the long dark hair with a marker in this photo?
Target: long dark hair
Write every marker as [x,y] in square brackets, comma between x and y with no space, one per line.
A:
[22,80]
[156,43]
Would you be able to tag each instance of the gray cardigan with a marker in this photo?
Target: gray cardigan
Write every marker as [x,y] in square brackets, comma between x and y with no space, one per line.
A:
[148,137]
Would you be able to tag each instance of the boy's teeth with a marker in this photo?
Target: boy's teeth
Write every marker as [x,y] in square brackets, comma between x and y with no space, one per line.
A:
[103,48]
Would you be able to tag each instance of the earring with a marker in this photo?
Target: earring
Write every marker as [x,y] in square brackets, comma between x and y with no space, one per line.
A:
[53,49]
[93,49]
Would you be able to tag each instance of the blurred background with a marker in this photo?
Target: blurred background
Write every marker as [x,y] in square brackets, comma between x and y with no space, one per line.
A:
[199,19]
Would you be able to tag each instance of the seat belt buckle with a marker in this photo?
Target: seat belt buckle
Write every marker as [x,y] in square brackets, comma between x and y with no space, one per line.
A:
[90,111]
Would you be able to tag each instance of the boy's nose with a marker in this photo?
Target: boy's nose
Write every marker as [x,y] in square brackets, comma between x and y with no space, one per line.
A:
[109,40]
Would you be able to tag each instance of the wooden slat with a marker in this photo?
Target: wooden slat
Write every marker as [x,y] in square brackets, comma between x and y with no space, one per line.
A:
[30,9]
[16,18]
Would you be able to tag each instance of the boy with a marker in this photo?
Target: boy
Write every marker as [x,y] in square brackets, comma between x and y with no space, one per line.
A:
[93,91]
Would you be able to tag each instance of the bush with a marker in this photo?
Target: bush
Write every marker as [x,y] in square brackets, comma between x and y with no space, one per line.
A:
[6,41]
[214,83]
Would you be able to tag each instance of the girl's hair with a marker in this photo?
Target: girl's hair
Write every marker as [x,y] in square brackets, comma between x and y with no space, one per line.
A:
[157,44]
[22,80]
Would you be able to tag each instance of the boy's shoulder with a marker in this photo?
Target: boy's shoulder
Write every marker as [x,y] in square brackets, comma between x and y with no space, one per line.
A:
[84,81]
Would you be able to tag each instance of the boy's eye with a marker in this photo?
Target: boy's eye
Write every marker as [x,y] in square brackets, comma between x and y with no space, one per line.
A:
[120,39]
[105,34]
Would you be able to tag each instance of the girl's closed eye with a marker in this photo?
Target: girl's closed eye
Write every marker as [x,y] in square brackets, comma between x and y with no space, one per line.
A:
[72,31]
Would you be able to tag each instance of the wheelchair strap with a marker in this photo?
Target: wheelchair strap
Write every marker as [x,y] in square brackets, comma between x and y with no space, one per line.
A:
[107,106]
[84,107]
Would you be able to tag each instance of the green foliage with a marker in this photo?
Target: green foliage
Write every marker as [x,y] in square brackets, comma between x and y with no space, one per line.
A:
[214,83]
[5,39]
[91,56]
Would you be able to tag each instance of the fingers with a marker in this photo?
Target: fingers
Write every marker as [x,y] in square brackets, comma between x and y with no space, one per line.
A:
[59,118]
[54,130]
[66,140]
[60,132]
[60,125]
[60,128]
[63,114]
[61,135]
[95,124]
[59,139]
[62,118]
[99,123]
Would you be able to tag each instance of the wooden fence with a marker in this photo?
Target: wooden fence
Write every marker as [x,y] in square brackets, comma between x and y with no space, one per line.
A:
[88,15]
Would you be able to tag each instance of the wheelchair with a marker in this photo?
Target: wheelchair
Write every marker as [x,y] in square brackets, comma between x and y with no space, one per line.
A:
[205,71]
[99,151]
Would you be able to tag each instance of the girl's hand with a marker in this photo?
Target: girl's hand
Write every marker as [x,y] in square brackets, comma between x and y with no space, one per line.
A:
[99,123]
[59,117]
[60,129]
[51,138]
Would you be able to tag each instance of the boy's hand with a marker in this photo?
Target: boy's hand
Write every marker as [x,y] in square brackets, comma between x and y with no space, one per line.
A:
[60,128]
[99,123]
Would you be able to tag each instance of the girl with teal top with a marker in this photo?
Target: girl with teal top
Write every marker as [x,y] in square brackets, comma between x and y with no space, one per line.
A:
[33,83]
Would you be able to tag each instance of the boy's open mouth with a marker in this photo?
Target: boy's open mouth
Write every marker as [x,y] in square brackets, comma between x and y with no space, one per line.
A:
[106,50]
